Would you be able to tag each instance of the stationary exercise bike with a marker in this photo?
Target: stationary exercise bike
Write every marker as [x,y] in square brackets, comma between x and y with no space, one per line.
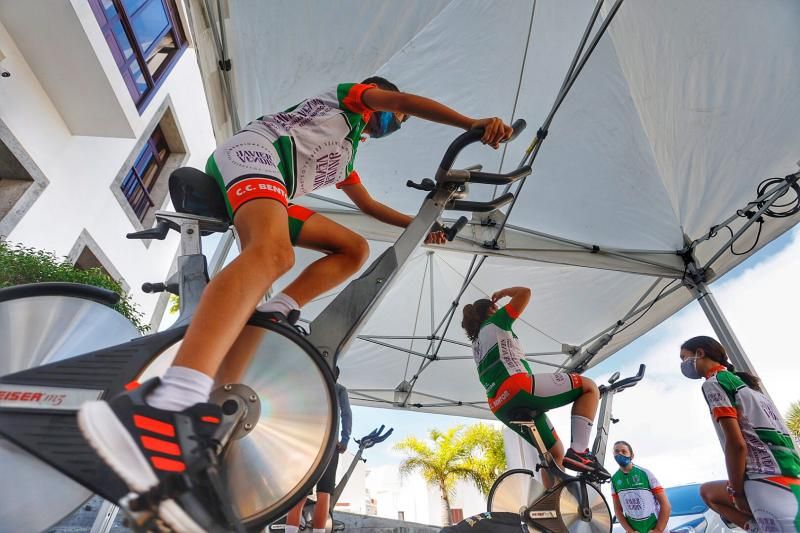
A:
[366,442]
[574,503]
[63,345]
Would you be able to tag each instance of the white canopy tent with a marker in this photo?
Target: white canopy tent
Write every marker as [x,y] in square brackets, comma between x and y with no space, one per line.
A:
[681,110]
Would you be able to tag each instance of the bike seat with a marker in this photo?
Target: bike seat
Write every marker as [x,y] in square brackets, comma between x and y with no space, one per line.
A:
[524,414]
[196,193]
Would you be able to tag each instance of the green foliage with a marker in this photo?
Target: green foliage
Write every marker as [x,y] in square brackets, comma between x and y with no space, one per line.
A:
[793,419]
[174,304]
[474,453]
[20,265]
[487,459]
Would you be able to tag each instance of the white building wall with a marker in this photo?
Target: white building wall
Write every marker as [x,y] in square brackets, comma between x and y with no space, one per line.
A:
[81,169]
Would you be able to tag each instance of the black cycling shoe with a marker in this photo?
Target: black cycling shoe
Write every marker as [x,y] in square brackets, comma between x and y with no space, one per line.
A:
[584,462]
[163,456]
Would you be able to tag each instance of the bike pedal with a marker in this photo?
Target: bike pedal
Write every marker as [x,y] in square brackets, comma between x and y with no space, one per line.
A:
[140,520]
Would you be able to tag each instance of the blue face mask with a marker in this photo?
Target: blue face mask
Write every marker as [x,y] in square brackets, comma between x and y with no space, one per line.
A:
[622,460]
[689,368]
[383,123]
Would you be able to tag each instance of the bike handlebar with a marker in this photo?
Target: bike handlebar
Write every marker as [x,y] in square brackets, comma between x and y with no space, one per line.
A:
[469,137]
[628,382]
[374,437]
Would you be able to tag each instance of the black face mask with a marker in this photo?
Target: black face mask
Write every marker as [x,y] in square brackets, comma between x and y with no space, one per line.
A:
[383,123]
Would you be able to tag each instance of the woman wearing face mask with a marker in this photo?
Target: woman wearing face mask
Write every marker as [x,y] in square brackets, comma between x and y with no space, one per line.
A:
[763,487]
[640,503]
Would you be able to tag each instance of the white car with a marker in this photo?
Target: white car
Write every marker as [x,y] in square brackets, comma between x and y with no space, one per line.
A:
[690,514]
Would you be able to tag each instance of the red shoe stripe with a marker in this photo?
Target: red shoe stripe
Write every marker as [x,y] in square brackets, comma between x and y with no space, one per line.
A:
[132,385]
[210,419]
[168,465]
[153,425]
[161,446]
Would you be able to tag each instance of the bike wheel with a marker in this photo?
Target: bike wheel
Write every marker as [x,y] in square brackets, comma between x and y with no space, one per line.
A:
[42,324]
[513,491]
[288,432]
[569,507]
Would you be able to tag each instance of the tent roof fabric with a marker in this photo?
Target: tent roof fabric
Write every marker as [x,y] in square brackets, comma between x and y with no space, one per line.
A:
[683,108]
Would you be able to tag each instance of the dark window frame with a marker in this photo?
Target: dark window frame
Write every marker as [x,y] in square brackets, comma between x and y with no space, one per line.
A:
[139,55]
[133,185]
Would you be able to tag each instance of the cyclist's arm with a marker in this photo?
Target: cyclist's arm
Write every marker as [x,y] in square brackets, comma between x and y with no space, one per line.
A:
[346,415]
[520,296]
[620,514]
[664,509]
[419,106]
[735,452]
[370,206]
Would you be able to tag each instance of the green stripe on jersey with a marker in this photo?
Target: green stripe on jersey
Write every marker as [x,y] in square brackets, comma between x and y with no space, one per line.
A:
[782,449]
[342,90]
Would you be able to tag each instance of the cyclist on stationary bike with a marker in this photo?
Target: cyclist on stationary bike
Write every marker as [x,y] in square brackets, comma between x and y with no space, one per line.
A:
[158,429]
[510,384]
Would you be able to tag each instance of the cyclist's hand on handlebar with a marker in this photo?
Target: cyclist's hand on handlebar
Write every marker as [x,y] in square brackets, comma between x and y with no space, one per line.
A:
[341,447]
[495,131]
[436,237]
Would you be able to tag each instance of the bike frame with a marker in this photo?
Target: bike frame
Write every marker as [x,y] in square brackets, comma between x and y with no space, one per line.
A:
[27,410]
[599,447]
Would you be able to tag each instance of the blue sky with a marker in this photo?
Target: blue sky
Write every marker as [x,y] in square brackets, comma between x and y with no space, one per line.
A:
[770,259]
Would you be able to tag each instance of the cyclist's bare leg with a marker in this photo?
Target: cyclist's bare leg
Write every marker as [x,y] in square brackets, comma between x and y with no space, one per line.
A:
[557,451]
[586,404]
[321,509]
[293,518]
[232,295]
[715,494]
[346,252]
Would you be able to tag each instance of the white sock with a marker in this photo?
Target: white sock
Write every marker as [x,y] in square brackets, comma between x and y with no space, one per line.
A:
[181,387]
[322,530]
[291,529]
[281,302]
[581,428]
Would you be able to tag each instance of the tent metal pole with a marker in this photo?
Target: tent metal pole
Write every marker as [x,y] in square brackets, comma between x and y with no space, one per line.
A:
[569,81]
[716,318]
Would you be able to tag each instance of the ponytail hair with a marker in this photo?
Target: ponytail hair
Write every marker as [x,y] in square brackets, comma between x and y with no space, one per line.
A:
[475,314]
[716,352]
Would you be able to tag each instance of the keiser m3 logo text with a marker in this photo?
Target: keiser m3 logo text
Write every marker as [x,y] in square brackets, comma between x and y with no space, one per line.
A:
[31,397]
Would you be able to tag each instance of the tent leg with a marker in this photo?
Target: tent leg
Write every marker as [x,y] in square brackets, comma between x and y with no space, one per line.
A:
[721,327]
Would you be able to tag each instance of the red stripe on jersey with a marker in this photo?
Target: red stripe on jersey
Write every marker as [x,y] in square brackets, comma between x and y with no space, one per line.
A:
[513,313]
[354,101]
[577,381]
[154,426]
[509,388]
[352,179]
[657,490]
[251,188]
[161,446]
[724,412]
[298,212]
[167,465]
[784,480]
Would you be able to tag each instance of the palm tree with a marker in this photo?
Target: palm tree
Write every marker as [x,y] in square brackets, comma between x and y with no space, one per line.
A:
[454,457]
[488,455]
[793,419]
